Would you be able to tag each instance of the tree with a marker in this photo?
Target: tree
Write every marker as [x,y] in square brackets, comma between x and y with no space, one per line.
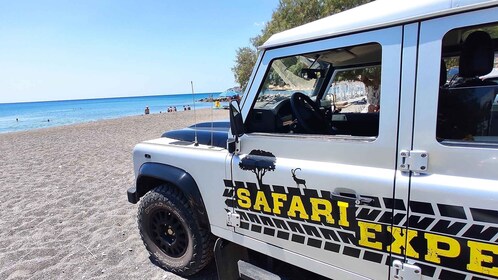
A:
[246,58]
[259,162]
[289,14]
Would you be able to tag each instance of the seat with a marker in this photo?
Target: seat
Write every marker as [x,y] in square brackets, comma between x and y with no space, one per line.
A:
[476,59]
[464,107]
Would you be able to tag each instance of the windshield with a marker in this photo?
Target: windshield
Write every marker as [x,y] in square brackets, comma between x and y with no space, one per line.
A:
[289,75]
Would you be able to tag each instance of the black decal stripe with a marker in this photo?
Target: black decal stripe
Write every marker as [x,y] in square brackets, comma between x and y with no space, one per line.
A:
[483,215]
[399,218]
[329,234]
[419,222]
[314,243]
[421,207]
[448,227]
[298,238]
[283,235]
[375,203]
[255,228]
[228,193]
[295,227]
[397,204]
[269,231]
[239,184]
[311,231]
[244,225]
[332,247]
[372,256]
[279,189]
[243,215]
[368,214]
[280,224]
[267,221]
[450,275]
[387,217]
[348,238]
[479,232]
[309,240]
[228,183]
[352,252]
[325,194]
[451,220]
[254,218]
[310,192]
[452,211]
[230,202]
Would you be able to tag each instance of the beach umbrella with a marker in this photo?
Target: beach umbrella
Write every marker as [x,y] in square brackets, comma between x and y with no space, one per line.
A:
[229,93]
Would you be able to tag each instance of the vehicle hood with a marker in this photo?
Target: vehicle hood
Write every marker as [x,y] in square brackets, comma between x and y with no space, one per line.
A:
[208,133]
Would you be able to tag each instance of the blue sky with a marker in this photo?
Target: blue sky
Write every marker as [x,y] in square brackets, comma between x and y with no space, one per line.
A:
[57,50]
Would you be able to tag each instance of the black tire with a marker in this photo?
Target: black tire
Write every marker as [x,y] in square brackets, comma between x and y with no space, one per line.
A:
[171,233]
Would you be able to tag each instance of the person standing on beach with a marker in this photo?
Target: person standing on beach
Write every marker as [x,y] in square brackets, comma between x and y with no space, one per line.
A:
[147,111]
[372,88]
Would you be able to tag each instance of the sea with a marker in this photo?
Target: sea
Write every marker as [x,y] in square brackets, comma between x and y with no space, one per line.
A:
[34,115]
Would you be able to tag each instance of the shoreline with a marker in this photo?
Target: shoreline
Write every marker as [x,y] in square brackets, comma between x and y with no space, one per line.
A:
[65,213]
[200,110]
[29,116]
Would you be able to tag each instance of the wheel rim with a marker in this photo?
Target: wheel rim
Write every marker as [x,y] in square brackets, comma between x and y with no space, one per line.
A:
[168,233]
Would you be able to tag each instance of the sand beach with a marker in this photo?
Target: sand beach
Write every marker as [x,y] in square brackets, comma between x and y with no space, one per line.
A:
[64,213]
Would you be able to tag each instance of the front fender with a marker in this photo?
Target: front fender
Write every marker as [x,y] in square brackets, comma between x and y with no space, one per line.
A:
[152,174]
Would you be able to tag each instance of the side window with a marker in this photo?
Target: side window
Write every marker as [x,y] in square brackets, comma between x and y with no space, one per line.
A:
[468,95]
[333,92]
[355,97]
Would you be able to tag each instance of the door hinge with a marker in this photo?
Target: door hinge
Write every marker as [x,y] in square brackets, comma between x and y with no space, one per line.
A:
[415,161]
[233,219]
[405,271]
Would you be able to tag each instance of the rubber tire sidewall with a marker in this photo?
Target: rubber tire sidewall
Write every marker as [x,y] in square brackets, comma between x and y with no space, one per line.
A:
[166,198]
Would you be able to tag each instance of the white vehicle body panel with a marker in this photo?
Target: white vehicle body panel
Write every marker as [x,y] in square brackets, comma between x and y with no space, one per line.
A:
[197,160]
[460,181]
[441,220]
[327,163]
[374,15]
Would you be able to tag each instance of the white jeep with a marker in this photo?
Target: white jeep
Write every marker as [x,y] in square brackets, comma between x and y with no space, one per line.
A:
[350,156]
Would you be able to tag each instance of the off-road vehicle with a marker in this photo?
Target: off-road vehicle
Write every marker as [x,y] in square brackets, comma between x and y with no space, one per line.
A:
[353,154]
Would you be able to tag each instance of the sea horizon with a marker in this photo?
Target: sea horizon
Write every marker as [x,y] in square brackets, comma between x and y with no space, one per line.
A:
[29,115]
[114,97]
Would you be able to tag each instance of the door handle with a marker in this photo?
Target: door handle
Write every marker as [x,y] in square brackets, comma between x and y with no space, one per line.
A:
[351,197]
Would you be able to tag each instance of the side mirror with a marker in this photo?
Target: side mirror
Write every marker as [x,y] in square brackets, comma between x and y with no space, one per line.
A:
[236,123]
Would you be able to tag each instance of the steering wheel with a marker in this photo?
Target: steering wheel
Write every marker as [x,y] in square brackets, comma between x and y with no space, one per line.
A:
[308,114]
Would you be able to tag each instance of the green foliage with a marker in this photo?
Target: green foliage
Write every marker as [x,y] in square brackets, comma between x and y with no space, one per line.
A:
[289,14]
[364,73]
[452,62]
[246,58]
[293,13]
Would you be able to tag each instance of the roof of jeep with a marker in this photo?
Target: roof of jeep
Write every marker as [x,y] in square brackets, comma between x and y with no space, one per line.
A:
[380,13]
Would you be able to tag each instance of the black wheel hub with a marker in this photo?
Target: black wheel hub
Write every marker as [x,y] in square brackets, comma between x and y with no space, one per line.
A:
[168,233]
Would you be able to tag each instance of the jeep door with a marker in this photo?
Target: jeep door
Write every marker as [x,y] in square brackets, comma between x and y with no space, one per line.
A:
[452,161]
[321,199]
